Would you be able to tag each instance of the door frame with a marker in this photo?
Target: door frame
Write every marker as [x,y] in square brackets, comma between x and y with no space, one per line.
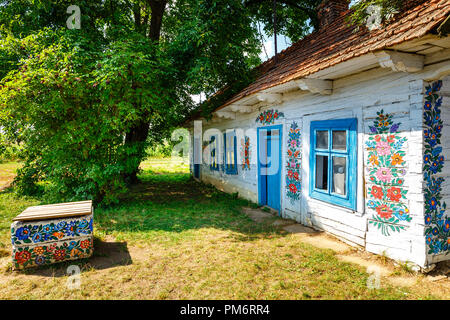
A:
[260,195]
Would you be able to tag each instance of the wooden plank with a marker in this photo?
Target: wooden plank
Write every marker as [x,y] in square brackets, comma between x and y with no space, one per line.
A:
[89,202]
[40,214]
[60,210]
[67,205]
[68,210]
[59,205]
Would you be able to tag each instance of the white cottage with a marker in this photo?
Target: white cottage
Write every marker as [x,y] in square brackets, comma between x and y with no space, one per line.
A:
[348,132]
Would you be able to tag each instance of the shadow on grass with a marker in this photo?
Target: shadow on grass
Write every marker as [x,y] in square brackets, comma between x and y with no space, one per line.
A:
[106,255]
[164,208]
[164,204]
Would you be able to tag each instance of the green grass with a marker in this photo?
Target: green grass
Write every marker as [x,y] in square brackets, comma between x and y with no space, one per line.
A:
[174,238]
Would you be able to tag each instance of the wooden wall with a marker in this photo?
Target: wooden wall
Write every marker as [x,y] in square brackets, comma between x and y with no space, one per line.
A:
[361,96]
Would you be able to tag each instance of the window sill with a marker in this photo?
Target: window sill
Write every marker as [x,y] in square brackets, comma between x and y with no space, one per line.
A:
[334,206]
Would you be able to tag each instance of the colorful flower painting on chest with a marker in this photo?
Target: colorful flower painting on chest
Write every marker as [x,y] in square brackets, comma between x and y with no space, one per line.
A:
[437,222]
[30,234]
[386,171]
[50,253]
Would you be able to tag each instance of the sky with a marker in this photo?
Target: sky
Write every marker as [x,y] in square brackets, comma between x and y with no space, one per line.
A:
[282,43]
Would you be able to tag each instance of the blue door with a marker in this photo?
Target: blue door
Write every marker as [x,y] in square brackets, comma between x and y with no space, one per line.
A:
[269,166]
[196,171]
[197,157]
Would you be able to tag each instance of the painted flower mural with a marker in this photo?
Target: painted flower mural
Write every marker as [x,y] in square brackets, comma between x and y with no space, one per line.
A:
[293,163]
[49,253]
[245,153]
[437,222]
[36,232]
[269,116]
[386,170]
[44,242]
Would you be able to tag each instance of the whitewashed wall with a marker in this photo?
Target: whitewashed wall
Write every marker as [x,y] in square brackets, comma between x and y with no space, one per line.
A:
[359,96]
[245,182]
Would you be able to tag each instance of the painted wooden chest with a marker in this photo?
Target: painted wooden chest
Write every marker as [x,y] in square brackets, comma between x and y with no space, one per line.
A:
[54,233]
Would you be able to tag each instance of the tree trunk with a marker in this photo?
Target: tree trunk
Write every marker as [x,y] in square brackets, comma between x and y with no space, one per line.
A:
[136,138]
[158,7]
[137,135]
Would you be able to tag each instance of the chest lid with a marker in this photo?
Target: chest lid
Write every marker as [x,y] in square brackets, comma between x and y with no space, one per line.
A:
[58,210]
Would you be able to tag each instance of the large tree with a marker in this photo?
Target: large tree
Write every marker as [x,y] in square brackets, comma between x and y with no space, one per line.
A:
[85,103]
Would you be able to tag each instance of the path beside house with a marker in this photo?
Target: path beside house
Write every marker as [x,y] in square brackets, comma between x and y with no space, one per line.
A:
[8,172]
[438,280]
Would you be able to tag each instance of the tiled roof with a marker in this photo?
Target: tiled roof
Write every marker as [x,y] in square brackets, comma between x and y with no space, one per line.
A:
[339,42]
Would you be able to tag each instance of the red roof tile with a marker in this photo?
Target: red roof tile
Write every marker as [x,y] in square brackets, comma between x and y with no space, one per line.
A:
[340,41]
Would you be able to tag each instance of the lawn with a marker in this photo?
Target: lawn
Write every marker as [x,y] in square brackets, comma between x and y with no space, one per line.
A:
[174,238]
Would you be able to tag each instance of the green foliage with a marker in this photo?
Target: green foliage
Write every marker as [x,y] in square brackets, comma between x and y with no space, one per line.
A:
[160,150]
[71,104]
[295,19]
[85,105]
[71,97]
[388,9]
[8,151]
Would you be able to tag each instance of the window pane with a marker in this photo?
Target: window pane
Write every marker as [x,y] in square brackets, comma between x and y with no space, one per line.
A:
[322,140]
[339,175]
[340,140]
[322,172]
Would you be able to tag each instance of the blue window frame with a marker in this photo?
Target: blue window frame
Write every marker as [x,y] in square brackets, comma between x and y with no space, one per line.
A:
[214,165]
[333,162]
[230,152]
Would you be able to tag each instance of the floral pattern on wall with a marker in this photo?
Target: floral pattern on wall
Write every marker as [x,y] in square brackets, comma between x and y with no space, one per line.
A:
[269,116]
[293,163]
[29,256]
[437,231]
[245,153]
[386,171]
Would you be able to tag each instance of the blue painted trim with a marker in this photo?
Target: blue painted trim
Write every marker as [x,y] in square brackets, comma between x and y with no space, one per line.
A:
[228,168]
[349,125]
[262,198]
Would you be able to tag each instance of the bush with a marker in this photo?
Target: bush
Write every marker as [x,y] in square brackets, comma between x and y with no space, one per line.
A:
[71,105]
[8,151]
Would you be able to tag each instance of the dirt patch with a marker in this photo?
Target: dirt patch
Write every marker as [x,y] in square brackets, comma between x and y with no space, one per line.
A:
[298,228]
[369,265]
[323,242]
[316,238]
[257,215]
[283,222]
[403,281]
[4,186]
